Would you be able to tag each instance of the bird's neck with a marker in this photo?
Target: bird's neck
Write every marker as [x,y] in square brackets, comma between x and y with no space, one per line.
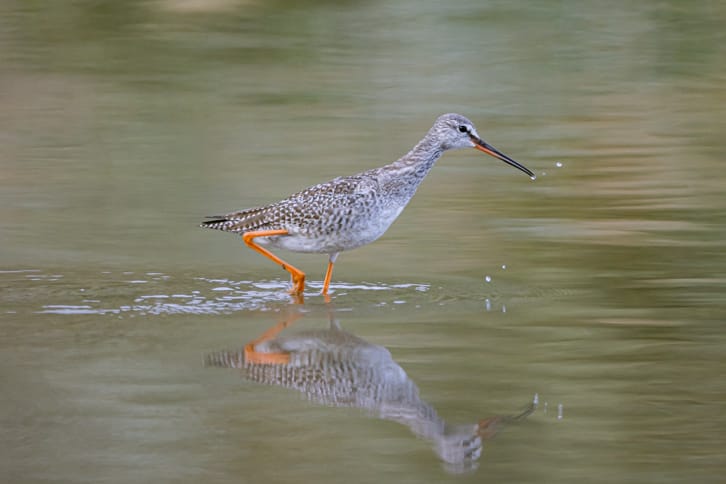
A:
[419,161]
[401,179]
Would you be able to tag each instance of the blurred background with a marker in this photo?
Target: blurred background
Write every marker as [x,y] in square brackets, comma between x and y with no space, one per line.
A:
[600,285]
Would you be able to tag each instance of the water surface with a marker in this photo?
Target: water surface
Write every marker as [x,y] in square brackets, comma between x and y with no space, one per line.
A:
[599,286]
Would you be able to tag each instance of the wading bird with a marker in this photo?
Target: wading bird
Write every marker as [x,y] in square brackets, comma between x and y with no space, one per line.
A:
[350,211]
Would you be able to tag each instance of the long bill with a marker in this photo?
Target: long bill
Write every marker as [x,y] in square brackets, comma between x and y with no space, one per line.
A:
[482,145]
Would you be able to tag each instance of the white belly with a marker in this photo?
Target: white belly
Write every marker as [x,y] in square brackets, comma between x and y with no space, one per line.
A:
[350,235]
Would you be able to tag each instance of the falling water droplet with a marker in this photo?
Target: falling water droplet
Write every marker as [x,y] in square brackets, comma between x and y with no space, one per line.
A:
[559,412]
[504,267]
[558,164]
[488,278]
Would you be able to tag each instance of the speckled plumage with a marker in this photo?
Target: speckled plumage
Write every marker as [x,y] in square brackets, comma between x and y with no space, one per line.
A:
[325,218]
[351,211]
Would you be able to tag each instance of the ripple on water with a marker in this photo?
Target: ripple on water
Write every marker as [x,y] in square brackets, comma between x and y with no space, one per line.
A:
[115,293]
[104,293]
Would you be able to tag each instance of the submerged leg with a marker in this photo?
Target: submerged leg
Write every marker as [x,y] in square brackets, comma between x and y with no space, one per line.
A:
[329,273]
[298,276]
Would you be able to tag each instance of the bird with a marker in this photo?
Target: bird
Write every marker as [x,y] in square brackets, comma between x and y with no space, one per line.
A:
[348,212]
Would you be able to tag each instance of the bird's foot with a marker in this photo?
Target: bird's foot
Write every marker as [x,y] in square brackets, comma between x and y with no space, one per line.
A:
[298,284]
[297,298]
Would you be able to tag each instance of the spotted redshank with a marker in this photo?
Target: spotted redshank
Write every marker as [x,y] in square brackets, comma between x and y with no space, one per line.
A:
[350,211]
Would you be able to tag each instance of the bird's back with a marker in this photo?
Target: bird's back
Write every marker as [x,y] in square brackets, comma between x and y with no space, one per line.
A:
[332,210]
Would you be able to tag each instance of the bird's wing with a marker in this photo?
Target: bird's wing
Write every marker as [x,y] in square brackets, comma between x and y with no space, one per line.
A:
[312,202]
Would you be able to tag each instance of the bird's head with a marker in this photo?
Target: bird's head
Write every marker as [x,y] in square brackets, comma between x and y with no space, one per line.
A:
[455,131]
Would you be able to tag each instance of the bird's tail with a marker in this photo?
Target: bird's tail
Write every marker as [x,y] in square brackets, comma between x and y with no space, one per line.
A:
[238,222]
[217,222]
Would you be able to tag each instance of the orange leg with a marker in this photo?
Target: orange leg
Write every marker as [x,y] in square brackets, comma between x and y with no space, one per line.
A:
[298,276]
[329,273]
[254,356]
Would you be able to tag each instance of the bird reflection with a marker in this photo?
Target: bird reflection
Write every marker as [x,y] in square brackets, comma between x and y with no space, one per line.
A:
[334,367]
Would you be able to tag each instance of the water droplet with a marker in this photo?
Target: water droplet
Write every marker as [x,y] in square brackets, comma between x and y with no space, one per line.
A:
[488,278]
[533,177]
[488,305]
[535,401]
[559,412]
[504,267]
[558,164]
[504,308]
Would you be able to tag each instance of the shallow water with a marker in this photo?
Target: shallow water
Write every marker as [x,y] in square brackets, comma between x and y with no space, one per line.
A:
[599,287]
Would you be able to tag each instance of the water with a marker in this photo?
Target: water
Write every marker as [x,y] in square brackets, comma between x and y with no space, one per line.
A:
[599,286]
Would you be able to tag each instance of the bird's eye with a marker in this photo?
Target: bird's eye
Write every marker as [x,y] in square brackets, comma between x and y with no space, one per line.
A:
[463,129]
